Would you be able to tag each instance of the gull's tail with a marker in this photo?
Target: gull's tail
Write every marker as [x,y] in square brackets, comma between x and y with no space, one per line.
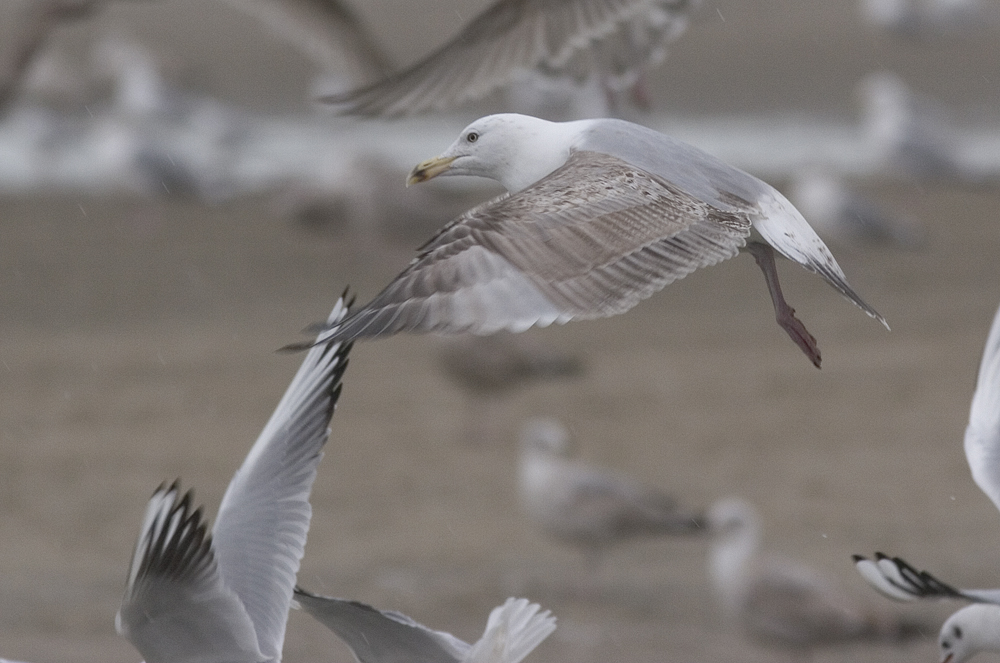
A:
[512,632]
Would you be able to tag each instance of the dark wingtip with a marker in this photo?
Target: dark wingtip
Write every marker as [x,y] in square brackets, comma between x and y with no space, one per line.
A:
[858,558]
[296,347]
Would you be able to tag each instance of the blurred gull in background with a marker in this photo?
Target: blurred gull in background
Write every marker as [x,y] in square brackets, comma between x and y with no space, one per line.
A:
[329,34]
[325,31]
[611,41]
[513,630]
[922,19]
[487,368]
[898,580]
[842,214]
[194,596]
[781,601]
[914,134]
[588,507]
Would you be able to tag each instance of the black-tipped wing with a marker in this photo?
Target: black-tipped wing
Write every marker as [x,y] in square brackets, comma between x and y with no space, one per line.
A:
[896,579]
[377,636]
[263,520]
[590,240]
[607,37]
[176,606]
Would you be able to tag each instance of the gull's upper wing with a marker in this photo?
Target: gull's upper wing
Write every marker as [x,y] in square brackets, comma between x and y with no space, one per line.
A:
[176,607]
[512,632]
[325,31]
[982,435]
[590,240]
[894,578]
[377,636]
[511,36]
[260,532]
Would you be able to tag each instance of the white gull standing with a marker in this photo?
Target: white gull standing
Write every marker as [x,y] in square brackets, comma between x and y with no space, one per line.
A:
[194,596]
[841,213]
[589,507]
[599,215]
[978,626]
[782,601]
[513,630]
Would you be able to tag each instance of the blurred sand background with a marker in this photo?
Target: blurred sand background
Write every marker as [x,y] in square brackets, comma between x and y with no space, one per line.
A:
[137,338]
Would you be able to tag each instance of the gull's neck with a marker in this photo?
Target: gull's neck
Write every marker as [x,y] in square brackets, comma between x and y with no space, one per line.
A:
[731,555]
[541,147]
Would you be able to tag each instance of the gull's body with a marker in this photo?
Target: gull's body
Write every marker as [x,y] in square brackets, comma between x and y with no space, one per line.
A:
[600,214]
[777,600]
[377,636]
[588,507]
[896,579]
[195,597]
[613,41]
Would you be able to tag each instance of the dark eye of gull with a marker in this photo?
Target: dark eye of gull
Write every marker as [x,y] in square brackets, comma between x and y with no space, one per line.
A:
[472,137]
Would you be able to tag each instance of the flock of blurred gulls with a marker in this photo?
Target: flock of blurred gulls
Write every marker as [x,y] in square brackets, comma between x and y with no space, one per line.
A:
[598,214]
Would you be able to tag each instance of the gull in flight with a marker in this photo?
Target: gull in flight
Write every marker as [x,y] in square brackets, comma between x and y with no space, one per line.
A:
[513,630]
[974,628]
[782,601]
[589,507]
[193,595]
[615,41]
[599,215]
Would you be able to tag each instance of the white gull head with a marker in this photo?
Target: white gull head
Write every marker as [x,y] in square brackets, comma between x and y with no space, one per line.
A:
[971,630]
[515,150]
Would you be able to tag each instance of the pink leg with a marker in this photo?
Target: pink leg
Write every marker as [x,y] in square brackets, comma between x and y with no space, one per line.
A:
[783,313]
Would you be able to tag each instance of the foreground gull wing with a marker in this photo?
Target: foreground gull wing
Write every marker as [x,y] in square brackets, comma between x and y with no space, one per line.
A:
[512,36]
[36,21]
[191,599]
[176,605]
[325,31]
[982,435]
[377,636]
[260,532]
[512,632]
[896,579]
[543,255]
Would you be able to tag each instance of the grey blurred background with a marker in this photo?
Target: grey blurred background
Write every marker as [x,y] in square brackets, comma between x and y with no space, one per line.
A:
[138,328]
